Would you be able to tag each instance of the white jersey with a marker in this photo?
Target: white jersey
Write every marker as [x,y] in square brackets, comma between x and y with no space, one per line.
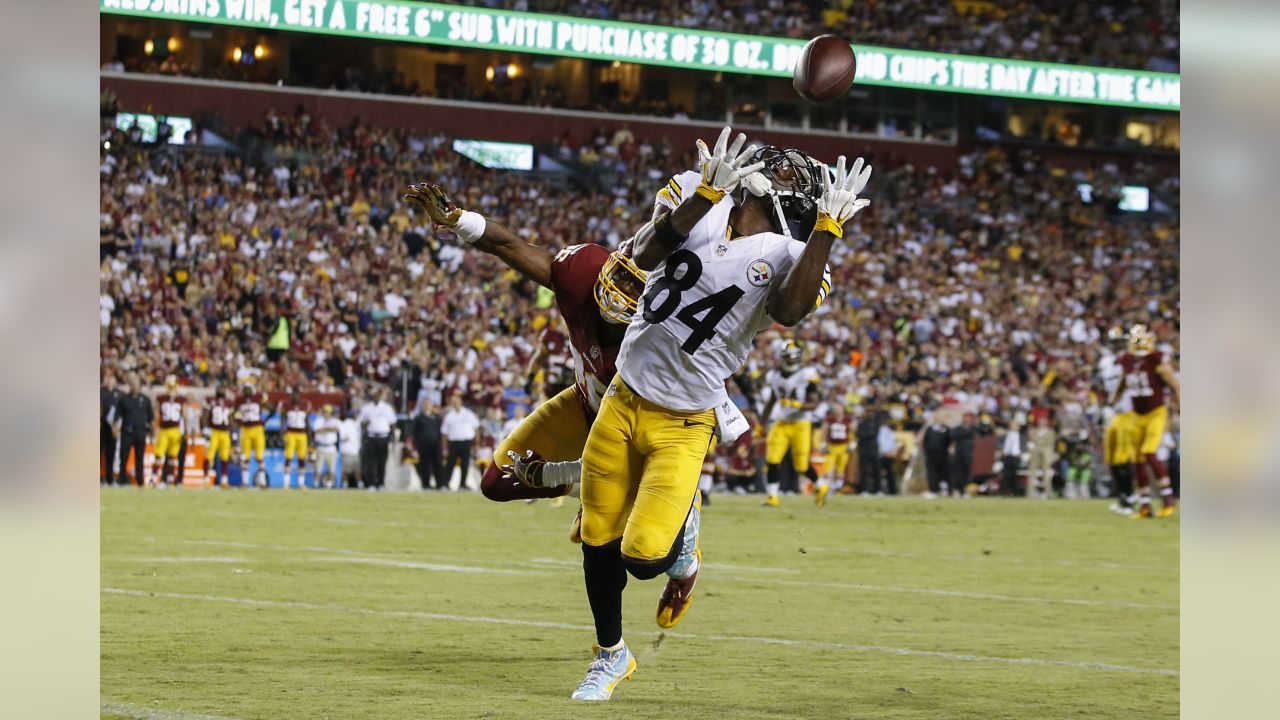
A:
[702,309]
[789,393]
[1110,371]
[326,431]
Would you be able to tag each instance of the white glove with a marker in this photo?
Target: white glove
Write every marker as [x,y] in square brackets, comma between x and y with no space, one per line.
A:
[723,169]
[839,201]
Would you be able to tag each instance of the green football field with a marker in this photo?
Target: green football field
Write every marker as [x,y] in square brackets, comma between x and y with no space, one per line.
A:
[291,604]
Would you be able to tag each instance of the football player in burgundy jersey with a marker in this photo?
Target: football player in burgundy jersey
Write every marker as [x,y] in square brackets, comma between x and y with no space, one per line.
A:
[1149,380]
[296,429]
[836,432]
[219,424]
[169,434]
[251,415]
[596,292]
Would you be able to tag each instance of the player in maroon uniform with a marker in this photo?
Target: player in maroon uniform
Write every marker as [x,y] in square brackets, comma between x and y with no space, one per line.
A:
[1148,379]
[554,358]
[836,432]
[296,436]
[169,434]
[218,420]
[251,415]
[596,291]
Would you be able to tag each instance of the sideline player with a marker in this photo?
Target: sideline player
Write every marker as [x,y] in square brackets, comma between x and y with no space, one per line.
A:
[250,415]
[296,436]
[169,431]
[1149,379]
[793,394]
[738,271]
[1118,449]
[219,423]
[835,431]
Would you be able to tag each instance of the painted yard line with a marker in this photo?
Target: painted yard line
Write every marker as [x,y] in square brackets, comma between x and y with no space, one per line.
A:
[412,565]
[540,564]
[187,559]
[750,639]
[948,593]
[710,566]
[1012,561]
[142,713]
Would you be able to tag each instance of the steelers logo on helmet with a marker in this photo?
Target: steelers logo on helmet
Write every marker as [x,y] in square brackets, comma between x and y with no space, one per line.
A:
[618,288]
[793,182]
[1117,337]
[791,355]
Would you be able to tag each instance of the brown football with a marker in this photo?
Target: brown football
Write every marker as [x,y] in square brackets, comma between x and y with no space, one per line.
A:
[825,69]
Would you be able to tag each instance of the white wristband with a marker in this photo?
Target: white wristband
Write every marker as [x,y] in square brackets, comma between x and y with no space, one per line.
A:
[559,474]
[470,226]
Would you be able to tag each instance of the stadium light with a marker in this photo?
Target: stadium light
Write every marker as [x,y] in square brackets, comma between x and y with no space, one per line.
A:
[149,46]
[259,51]
[172,44]
[237,54]
[513,71]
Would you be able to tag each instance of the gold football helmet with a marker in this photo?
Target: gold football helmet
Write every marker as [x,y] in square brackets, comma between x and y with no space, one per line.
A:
[1141,340]
[791,355]
[1117,338]
[618,287]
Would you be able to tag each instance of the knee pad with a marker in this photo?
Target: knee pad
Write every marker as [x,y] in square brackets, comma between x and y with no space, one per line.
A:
[642,569]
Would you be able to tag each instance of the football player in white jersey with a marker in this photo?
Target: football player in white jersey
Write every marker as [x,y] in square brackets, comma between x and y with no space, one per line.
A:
[793,394]
[1119,447]
[740,269]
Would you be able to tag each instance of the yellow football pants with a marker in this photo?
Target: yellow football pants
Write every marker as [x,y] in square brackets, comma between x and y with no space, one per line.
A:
[253,440]
[295,445]
[557,430]
[1148,430]
[796,435]
[837,459]
[640,472]
[1119,447]
[168,441]
[220,445]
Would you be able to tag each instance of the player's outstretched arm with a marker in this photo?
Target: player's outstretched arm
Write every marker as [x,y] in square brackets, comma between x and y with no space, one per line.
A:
[484,235]
[1165,371]
[722,171]
[797,294]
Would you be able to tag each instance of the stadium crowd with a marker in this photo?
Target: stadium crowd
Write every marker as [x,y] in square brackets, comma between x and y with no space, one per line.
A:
[1110,34]
[982,289]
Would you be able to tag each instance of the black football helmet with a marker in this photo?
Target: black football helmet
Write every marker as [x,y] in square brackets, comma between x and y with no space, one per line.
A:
[793,181]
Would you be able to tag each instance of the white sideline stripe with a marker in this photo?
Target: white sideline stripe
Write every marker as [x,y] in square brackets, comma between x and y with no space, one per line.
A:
[142,713]
[910,652]
[187,559]
[711,566]
[413,565]
[543,563]
[1011,561]
[951,593]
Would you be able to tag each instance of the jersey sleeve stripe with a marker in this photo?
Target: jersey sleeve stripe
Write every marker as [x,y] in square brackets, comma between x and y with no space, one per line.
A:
[676,185]
[664,197]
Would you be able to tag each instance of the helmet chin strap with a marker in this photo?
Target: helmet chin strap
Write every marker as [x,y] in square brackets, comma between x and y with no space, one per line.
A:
[757,184]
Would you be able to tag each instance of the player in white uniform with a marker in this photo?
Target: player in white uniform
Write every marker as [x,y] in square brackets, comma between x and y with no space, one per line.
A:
[1119,447]
[793,394]
[740,269]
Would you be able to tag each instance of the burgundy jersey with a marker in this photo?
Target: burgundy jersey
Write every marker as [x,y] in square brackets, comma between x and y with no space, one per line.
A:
[837,431]
[1142,383]
[295,416]
[573,280]
[253,410]
[219,414]
[559,373]
[170,410]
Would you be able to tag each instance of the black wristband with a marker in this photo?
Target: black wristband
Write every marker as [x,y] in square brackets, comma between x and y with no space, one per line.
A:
[665,233]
